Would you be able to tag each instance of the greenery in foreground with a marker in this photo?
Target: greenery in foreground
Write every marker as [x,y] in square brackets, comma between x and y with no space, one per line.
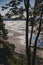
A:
[20,60]
[38,11]
[9,48]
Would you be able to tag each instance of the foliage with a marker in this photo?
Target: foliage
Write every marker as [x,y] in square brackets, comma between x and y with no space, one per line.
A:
[3,31]
[8,48]
[17,60]
[16,9]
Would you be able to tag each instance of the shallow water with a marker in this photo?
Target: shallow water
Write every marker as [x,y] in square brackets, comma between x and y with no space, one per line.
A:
[16,33]
[17,26]
[17,29]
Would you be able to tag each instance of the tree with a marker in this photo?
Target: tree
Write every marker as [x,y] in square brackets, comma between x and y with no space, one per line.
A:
[39,30]
[14,8]
[7,48]
[18,9]
[3,31]
[26,2]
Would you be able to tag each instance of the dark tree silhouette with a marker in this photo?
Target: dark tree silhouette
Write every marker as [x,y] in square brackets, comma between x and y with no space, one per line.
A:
[17,9]
[39,30]
[6,49]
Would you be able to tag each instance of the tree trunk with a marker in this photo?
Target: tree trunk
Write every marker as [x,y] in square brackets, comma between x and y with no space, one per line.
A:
[35,45]
[26,2]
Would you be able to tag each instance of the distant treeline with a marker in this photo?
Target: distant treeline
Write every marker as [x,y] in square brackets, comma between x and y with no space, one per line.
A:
[12,19]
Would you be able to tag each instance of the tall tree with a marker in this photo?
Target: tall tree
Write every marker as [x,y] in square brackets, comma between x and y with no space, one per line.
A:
[39,30]
[18,9]
[27,2]
[7,48]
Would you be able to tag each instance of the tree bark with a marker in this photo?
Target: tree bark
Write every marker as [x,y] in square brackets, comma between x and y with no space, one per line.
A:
[26,2]
[35,45]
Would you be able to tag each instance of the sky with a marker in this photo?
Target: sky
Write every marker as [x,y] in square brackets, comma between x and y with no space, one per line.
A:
[3,2]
